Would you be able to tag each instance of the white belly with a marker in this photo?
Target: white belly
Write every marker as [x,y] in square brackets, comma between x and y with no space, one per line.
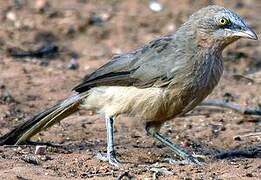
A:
[115,100]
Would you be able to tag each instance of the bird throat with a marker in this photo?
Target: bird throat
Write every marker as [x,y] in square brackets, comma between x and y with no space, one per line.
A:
[206,41]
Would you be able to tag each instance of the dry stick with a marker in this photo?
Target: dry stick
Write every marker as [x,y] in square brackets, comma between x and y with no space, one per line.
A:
[251,134]
[248,152]
[248,135]
[248,110]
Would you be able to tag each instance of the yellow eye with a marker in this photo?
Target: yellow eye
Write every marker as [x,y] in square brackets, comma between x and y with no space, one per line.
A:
[223,21]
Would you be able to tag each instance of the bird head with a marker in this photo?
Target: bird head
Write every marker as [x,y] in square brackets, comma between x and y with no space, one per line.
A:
[219,26]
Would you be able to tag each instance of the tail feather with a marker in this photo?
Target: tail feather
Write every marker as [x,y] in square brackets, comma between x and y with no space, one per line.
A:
[42,121]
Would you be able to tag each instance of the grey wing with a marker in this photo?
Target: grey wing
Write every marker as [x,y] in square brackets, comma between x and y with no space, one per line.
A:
[145,67]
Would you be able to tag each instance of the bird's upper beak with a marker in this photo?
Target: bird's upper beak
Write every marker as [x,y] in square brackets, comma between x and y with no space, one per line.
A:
[246,33]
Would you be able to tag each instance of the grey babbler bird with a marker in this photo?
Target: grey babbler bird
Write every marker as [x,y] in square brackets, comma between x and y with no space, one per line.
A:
[163,79]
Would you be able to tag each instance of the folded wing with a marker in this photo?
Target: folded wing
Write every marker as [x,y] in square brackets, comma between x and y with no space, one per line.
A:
[140,68]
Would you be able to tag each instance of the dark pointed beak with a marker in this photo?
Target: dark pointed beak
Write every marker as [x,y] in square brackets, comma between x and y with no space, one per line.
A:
[246,33]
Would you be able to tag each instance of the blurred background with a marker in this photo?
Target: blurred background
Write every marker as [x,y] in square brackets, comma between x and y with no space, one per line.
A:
[48,46]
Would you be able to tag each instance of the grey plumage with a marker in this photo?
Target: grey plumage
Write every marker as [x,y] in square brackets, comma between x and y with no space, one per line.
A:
[165,78]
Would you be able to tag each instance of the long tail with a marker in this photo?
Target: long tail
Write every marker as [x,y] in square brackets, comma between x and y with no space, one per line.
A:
[43,120]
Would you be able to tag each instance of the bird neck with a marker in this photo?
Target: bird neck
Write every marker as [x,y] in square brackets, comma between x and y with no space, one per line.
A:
[204,63]
[205,41]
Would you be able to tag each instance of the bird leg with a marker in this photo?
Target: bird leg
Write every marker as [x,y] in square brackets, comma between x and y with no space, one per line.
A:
[153,131]
[110,155]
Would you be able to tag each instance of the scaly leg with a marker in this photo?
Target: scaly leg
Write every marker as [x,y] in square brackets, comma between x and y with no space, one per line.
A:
[153,131]
[110,155]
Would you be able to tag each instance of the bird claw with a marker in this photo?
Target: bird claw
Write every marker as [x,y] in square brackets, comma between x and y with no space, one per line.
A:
[200,158]
[109,158]
[190,160]
[194,161]
[180,162]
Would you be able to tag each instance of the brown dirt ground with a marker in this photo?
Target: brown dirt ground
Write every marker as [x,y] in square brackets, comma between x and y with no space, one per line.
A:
[126,24]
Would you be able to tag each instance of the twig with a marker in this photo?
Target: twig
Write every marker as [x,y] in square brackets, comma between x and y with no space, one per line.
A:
[91,175]
[34,143]
[247,135]
[248,110]
[251,134]
[43,51]
[246,152]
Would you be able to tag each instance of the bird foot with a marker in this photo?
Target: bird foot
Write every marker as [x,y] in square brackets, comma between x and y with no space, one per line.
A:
[193,160]
[109,158]
[181,162]
[190,160]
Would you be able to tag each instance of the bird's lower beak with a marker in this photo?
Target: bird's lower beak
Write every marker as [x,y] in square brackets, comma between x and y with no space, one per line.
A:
[247,33]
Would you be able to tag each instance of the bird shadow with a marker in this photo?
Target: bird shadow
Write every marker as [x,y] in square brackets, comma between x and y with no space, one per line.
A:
[246,151]
[213,153]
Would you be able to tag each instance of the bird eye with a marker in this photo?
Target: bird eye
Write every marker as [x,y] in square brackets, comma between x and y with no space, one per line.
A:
[223,21]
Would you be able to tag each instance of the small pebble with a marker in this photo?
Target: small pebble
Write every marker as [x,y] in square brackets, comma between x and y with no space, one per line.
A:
[41,5]
[40,150]
[11,16]
[73,65]
[105,16]
[249,175]
[45,158]
[237,138]
[95,20]
[155,6]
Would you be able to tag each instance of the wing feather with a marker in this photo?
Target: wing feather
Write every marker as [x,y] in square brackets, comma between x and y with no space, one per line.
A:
[139,68]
